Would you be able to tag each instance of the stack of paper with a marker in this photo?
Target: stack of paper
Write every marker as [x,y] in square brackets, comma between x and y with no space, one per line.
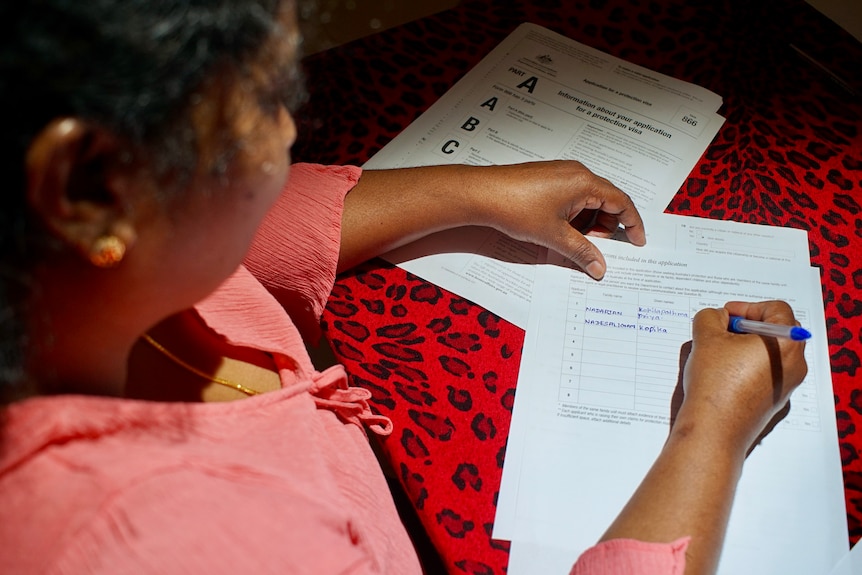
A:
[601,359]
[593,403]
[542,96]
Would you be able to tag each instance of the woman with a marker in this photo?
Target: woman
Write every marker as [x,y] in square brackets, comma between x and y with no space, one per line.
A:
[146,156]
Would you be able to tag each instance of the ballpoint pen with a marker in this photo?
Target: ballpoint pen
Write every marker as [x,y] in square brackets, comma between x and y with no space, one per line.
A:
[741,325]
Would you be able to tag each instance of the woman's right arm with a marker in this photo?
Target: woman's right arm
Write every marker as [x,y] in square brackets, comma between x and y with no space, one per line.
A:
[734,386]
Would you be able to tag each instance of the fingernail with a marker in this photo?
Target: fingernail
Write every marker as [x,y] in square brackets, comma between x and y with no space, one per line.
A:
[596,270]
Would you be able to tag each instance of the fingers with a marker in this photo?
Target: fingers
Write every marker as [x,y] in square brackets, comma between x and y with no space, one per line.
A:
[740,381]
[716,320]
[616,207]
[710,321]
[769,311]
[572,244]
[585,221]
[548,202]
[710,328]
[599,224]
[779,312]
[605,208]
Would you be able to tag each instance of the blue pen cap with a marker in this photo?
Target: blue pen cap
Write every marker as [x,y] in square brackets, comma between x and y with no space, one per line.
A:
[799,333]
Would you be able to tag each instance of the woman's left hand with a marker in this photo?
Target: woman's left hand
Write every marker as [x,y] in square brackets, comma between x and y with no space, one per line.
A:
[546,203]
[553,204]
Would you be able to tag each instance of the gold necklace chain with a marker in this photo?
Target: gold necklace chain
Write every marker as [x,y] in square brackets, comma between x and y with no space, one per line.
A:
[237,386]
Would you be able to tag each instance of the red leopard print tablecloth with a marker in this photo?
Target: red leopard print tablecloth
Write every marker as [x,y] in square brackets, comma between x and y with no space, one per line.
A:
[444,369]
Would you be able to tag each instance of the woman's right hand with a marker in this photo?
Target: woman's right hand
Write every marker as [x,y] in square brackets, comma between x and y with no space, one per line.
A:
[739,382]
[734,385]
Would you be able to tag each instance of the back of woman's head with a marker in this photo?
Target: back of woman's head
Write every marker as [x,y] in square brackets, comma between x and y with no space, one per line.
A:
[128,66]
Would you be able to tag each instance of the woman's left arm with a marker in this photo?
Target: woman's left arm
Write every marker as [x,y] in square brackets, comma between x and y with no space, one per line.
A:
[535,202]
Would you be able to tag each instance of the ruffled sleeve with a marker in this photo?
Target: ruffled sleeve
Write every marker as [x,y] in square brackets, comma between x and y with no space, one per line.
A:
[631,557]
[295,252]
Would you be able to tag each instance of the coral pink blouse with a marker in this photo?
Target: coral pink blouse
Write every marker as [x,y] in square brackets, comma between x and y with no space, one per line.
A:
[281,482]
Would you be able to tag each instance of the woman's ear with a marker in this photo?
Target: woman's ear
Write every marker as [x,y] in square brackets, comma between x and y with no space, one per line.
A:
[73,190]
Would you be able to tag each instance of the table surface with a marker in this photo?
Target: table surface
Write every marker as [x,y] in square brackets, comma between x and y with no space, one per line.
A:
[443,368]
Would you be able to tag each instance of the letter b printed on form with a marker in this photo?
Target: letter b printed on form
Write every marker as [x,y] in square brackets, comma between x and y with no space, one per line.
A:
[470,124]
[451,146]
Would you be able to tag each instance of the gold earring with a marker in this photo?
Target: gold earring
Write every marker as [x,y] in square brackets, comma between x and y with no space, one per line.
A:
[107,251]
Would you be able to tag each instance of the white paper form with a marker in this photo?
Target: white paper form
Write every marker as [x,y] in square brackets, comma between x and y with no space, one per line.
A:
[851,564]
[536,96]
[599,367]
[473,266]
[530,96]
[726,238]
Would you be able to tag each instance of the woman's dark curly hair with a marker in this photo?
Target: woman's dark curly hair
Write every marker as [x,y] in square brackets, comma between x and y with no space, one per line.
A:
[129,66]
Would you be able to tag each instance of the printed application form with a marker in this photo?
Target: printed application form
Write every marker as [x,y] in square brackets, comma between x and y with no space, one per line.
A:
[851,564]
[497,272]
[542,96]
[593,404]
